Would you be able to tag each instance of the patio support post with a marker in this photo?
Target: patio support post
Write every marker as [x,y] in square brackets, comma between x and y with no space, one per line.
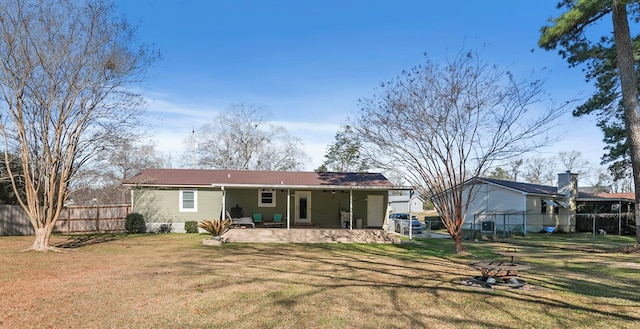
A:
[351,209]
[288,209]
[224,202]
[619,217]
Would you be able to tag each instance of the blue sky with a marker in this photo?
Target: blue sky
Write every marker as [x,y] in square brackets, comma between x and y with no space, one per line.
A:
[308,62]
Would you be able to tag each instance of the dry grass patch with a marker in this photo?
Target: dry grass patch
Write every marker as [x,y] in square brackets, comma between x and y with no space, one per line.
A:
[172,281]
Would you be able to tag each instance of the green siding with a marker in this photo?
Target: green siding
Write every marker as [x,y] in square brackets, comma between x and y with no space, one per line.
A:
[248,201]
[162,205]
[326,206]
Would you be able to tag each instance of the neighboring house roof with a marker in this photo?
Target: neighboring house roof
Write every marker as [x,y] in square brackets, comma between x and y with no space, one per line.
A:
[623,196]
[529,188]
[250,178]
[522,187]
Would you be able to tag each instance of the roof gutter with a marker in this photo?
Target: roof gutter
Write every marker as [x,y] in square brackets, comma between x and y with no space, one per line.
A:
[315,187]
[274,186]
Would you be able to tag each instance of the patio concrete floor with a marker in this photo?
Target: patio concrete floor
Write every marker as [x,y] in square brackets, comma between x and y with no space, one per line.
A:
[309,235]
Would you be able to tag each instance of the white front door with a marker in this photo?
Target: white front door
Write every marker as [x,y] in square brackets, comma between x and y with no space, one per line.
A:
[303,207]
[375,210]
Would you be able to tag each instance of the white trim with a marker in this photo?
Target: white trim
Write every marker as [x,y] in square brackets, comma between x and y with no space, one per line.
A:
[307,195]
[272,204]
[181,200]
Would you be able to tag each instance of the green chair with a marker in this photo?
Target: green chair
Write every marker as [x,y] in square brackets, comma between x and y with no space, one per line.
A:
[277,221]
[257,217]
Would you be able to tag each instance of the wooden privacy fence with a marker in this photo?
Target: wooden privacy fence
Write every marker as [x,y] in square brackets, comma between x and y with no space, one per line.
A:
[73,219]
[14,221]
[92,219]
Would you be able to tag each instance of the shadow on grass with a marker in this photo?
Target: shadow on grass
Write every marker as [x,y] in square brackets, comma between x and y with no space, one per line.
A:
[78,241]
[325,267]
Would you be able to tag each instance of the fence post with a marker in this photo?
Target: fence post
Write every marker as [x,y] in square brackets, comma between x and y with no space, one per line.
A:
[68,220]
[98,219]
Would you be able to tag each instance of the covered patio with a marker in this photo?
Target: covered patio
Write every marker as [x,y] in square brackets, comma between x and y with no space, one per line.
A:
[327,200]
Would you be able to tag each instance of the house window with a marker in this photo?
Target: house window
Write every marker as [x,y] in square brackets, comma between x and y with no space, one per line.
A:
[266,198]
[188,200]
[546,203]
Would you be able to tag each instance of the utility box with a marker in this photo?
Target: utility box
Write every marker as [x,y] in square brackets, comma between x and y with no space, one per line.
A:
[488,226]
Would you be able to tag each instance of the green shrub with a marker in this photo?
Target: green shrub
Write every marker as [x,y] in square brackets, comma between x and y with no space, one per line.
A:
[134,223]
[517,231]
[191,227]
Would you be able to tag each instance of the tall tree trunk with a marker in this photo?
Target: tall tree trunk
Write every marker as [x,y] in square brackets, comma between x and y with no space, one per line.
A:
[629,85]
[457,240]
[42,238]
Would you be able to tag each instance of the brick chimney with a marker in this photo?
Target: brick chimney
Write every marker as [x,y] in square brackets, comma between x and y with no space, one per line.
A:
[568,186]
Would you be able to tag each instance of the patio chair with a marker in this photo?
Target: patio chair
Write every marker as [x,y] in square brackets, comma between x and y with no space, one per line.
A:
[277,221]
[257,217]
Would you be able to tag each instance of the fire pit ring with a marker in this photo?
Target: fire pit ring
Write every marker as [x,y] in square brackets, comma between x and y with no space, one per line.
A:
[499,273]
[490,281]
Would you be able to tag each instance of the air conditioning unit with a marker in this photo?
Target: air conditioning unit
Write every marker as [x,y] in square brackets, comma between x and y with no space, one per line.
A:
[488,226]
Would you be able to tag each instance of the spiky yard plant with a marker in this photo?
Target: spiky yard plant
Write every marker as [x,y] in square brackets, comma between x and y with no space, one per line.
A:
[216,227]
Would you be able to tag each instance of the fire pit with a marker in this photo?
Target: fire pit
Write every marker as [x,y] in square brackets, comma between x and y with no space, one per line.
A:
[500,269]
[500,272]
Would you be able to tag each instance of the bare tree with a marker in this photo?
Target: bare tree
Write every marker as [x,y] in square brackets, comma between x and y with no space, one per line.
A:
[515,168]
[64,67]
[101,181]
[540,170]
[442,125]
[601,181]
[575,163]
[241,138]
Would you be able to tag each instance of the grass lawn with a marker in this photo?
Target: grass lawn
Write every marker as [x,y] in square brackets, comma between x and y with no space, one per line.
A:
[172,281]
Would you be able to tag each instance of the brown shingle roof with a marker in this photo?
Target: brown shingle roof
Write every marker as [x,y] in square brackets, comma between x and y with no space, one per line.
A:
[630,196]
[202,177]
